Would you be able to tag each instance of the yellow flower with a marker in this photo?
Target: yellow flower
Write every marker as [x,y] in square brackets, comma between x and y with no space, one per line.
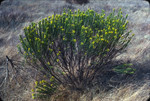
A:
[58,53]
[123,26]
[48,63]
[101,36]
[73,31]
[32,90]
[51,84]
[57,60]
[44,36]
[64,13]
[127,22]
[115,37]
[90,38]
[108,50]
[107,41]
[52,77]
[62,29]
[36,38]
[28,49]
[106,33]
[44,86]
[51,22]
[118,20]
[110,31]
[109,28]
[82,43]
[102,39]
[83,27]
[113,28]
[43,81]
[74,40]
[64,38]
[42,42]
[33,97]
[133,34]
[93,46]
[28,27]
[50,49]
[66,19]
[36,82]
[93,42]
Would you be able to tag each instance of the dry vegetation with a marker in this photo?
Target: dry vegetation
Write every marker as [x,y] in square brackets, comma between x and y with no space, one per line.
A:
[77,1]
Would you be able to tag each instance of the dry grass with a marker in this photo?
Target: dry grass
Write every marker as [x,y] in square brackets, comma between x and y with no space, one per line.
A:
[125,93]
[21,81]
[77,1]
[21,78]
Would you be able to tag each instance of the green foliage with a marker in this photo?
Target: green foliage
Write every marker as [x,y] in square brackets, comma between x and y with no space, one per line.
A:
[74,46]
[44,89]
[124,69]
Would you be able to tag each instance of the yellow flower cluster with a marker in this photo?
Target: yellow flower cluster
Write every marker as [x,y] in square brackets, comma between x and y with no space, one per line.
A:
[73,31]
[74,40]
[58,53]
[50,49]
[57,60]
[48,63]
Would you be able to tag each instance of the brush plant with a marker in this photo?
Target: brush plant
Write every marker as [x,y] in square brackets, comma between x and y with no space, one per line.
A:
[124,69]
[44,89]
[74,46]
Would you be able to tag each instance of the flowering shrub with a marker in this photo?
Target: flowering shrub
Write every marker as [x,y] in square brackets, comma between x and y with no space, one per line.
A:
[44,89]
[75,46]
